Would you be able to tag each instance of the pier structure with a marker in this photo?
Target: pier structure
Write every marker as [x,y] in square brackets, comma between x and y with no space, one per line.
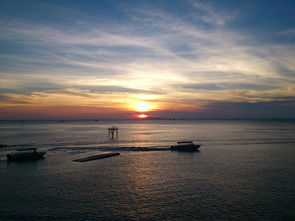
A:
[113,132]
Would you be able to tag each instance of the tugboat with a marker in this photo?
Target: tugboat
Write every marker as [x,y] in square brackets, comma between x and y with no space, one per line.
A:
[185,146]
[25,154]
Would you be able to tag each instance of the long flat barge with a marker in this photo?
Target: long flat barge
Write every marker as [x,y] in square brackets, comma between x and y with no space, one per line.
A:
[96,157]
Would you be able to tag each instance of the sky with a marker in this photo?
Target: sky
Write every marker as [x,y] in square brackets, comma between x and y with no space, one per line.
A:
[124,59]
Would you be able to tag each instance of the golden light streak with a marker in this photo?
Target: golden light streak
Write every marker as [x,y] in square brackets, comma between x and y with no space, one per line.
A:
[142,107]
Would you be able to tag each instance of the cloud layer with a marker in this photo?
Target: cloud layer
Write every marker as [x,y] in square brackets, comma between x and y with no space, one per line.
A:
[177,60]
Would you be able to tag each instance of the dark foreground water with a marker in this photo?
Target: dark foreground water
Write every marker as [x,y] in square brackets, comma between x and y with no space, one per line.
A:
[243,171]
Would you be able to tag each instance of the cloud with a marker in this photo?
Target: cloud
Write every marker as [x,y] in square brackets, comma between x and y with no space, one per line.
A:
[285,72]
[252,110]
[290,31]
[7,99]
[230,86]
[212,15]
[114,89]
[235,110]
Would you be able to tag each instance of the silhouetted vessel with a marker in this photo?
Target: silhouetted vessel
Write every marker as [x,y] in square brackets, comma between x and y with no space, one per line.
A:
[25,154]
[3,145]
[185,146]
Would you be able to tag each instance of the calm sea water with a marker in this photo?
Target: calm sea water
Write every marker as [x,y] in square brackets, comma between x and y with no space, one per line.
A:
[243,171]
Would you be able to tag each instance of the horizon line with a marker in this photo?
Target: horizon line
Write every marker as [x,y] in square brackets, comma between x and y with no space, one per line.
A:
[147,119]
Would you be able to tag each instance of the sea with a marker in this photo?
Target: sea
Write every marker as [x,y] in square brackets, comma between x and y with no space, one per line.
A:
[244,170]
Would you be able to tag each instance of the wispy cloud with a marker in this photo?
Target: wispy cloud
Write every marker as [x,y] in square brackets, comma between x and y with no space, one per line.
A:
[290,31]
[236,86]
[212,15]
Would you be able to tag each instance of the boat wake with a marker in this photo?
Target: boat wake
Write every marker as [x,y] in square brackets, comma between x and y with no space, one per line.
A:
[109,148]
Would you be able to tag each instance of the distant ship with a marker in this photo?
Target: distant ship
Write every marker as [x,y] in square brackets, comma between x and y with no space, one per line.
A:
[25,154]
[185,146]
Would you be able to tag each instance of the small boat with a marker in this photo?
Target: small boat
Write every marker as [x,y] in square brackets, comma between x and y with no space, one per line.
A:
[25,154]
[185,146]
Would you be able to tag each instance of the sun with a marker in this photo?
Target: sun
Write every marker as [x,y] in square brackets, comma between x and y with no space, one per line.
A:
[142,116]
[142,107]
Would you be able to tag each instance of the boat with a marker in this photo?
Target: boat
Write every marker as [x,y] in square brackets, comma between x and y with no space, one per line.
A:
[25,154]
[185,146]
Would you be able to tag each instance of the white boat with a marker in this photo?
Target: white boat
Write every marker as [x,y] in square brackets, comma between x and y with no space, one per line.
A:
[185,146]
[25,154]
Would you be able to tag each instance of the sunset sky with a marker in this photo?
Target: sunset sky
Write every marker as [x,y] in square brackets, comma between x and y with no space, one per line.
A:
[125,58]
